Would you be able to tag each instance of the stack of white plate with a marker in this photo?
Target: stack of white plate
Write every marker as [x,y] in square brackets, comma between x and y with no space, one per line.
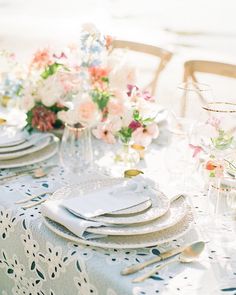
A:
[18,148]
[151,223]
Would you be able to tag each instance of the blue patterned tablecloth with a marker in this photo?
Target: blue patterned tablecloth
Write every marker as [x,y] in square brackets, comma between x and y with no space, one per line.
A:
[35,261]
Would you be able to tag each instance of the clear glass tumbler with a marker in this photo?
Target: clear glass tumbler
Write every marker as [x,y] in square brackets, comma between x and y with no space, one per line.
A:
[76,149]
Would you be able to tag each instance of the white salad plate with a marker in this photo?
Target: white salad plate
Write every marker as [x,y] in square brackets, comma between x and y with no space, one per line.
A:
[177,210]
[137,214]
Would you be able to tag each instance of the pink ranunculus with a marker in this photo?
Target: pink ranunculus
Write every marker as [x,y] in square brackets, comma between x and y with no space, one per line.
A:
[134,125]
[86,112]
[102,132]
[144,135]
[42,58]
[115,107]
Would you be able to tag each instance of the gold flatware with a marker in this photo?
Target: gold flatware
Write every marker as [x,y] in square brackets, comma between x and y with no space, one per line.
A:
[30,198]
[136,267]
[36,203]
[189,254]
[34,172]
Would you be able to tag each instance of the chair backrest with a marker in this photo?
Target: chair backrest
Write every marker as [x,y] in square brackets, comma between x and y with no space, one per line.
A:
[162,54]
[192,67]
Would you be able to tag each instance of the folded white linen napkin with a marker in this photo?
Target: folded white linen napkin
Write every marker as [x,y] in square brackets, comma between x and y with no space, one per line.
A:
[53,210]
[128,194]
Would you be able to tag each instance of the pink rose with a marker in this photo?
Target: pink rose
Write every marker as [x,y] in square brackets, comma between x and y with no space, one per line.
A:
[86,112]
[115,107]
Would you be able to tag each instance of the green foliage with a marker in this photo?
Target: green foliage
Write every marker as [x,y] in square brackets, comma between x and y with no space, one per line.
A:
[136,115]
[125,134]
[223,140]
[101,98]
[50,70]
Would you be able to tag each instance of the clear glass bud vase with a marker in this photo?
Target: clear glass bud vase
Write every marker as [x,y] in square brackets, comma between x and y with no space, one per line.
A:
[76,149]
[127,156]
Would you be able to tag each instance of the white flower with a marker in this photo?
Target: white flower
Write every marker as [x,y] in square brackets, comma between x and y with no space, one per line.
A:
[14,269]
[50,91]
[28,99]
[31,287]
[56,262]
[7,222]
[82,282]
[31,248]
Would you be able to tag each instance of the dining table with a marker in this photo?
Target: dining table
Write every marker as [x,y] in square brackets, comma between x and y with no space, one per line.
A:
[36,261]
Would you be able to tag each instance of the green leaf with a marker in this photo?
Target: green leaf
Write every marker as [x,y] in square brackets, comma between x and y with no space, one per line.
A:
[125,134]
[223,141]
[105,79]
[136,115]
[101,98]
[50,70]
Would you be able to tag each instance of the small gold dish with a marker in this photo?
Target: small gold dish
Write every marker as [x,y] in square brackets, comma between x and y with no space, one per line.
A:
[132,173]
[140,149]
[2,121]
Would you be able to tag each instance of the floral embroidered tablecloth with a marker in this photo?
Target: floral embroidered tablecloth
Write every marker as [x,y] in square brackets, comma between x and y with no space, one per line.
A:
[35,261]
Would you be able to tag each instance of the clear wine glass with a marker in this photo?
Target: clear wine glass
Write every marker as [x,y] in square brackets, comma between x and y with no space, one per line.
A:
[192,96]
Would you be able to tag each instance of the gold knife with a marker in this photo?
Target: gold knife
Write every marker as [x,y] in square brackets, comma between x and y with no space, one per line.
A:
[134,268]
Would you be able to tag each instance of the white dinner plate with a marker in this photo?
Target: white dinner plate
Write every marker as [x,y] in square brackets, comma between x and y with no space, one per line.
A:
[135,214]
[39,156]
[177,210]
[128,242]
[28,142]
[44,141]
[10,137]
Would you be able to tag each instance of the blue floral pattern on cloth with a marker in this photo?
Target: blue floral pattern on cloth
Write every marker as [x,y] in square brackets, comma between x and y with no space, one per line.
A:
[34,260]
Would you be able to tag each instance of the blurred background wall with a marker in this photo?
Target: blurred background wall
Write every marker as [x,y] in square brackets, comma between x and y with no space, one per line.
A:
[192,29]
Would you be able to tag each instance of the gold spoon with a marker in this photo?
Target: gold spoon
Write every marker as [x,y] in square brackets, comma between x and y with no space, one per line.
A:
[35,173]
[189,254]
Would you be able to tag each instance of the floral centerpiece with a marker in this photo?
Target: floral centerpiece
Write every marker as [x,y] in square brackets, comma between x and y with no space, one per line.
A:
[48,85]
[112,106]
[215,143]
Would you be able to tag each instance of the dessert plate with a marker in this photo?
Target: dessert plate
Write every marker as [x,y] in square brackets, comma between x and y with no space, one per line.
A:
[135,214]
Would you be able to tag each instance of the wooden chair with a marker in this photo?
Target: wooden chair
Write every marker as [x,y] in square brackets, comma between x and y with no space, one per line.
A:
[161,53]
[192,67]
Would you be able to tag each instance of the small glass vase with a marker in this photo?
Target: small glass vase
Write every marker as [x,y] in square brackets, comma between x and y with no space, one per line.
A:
[76,149]
[127,156]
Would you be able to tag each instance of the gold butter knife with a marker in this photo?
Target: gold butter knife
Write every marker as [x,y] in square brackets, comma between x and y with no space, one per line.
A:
[134,268]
